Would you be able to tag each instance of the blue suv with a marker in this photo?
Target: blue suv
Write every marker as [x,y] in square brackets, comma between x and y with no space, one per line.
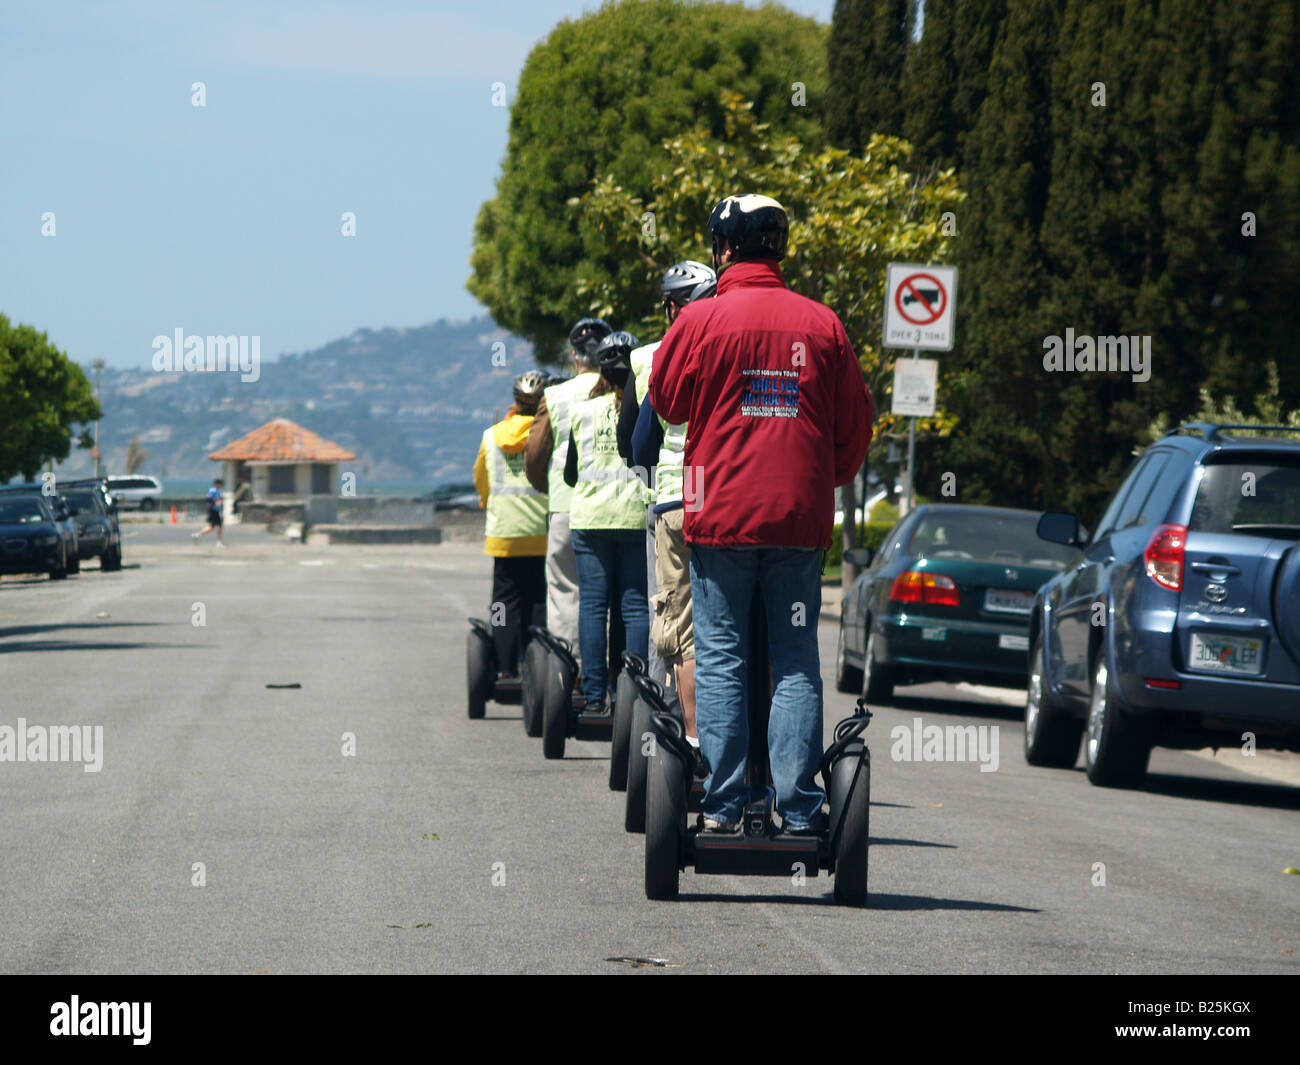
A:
[1179,623]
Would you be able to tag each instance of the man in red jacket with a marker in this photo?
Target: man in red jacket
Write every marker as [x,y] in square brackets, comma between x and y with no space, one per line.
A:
[779,415]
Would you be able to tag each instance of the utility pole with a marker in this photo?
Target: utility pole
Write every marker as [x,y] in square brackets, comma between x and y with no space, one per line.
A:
[98,364]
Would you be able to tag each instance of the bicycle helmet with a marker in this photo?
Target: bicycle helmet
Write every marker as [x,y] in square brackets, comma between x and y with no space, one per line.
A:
[688,280]
[528,391]
[755,226]
[615,357]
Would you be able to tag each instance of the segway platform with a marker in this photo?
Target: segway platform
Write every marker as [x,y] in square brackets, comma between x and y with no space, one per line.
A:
[758,848]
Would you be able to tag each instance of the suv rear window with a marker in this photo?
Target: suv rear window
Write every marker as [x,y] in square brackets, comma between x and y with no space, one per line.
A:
[1008,539]
[1241,494]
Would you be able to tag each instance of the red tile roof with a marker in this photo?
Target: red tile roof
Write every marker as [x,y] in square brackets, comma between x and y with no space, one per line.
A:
[282,441]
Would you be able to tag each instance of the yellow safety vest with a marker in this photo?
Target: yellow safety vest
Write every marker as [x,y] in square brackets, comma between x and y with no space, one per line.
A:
[515,509]
[559,407]
[672,452]
[608,494]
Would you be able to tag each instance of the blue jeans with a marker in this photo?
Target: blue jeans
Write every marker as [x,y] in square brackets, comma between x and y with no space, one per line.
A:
[722,589]
[610,561]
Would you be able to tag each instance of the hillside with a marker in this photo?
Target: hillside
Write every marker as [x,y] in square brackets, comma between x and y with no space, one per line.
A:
[412,403]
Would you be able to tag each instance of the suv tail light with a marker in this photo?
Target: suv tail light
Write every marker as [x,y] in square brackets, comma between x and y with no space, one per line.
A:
[915,586]
[1164,556]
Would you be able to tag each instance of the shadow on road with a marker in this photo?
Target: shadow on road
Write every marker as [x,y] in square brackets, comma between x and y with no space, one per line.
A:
[878,901]
[875,901]
[878,841]
[8,646]
[32,630]
[1241,792]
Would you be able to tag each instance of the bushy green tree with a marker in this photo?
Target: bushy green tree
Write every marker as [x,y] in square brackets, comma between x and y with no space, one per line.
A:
[43,394]
[599,96]
[850,215]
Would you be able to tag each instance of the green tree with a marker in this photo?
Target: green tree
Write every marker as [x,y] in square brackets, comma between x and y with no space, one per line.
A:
[866,53]
[1270,409]
[997,385]
[850,215]
[43,394]
[599,96]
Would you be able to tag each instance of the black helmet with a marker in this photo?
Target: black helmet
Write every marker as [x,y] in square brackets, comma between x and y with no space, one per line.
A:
[528,391]
[615,357]
[755,226]
[615,351]
[586,336]
[687,281]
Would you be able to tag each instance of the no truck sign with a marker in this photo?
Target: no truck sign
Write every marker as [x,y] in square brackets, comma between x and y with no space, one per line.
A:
[919,306]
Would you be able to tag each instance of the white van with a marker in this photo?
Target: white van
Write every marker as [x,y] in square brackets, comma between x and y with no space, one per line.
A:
[135,491]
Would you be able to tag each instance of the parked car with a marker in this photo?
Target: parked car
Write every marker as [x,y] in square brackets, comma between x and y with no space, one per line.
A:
[95,512]
[63,520]
[144,493]
[1178,623]
[455,497]
[30,538]
[947,597]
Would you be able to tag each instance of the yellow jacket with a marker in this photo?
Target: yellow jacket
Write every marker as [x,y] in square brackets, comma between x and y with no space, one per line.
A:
[510,435]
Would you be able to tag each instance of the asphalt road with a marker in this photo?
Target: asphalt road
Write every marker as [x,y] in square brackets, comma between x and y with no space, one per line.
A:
[314,860]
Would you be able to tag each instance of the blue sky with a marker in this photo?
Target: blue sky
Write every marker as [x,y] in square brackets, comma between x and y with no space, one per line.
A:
[226,219]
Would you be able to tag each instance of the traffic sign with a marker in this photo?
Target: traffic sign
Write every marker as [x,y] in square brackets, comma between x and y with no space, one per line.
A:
[914,387]
[919,306]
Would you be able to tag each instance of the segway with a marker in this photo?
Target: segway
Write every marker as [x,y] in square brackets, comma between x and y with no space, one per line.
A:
[564,713]
[483,681]
[650,697]
[532,681]
[758,849]
[624,696]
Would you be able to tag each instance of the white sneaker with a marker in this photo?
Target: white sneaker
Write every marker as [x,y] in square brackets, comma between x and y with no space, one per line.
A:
[194,537]
[221,543]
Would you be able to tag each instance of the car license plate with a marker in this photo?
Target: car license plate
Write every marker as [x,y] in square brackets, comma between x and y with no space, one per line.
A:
[1013,643]
[934,634]
[1003,601]
[1226,654]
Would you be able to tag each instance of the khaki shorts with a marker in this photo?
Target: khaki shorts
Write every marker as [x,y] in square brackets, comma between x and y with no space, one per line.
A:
[671,628]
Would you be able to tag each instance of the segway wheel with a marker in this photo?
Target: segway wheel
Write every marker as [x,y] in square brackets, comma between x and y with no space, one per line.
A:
[482,671]
[665,823]
[624,698]
[557,700]
[634,808]
[850,802]
[532,686]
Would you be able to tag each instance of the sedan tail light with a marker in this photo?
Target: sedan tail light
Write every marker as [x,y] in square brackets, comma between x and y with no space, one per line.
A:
[1164,556]
[916,586]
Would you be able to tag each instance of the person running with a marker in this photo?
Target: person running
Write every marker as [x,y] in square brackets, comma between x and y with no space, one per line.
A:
[544,455]
[607,516]
[515,527]
[779,415]
[659,446]
[214,513]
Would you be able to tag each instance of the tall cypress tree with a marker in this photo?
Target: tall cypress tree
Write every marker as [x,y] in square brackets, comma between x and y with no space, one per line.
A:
[994,380]
[865,54]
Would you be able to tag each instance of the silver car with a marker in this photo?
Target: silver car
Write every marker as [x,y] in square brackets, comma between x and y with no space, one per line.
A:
[136,492]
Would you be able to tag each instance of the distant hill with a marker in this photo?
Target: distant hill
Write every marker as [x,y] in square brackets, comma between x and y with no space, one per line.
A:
[412,403]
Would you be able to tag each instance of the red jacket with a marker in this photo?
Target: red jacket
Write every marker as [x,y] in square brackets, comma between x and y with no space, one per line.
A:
[778,411]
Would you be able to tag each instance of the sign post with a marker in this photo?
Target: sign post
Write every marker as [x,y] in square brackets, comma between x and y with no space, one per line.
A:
[920,305]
